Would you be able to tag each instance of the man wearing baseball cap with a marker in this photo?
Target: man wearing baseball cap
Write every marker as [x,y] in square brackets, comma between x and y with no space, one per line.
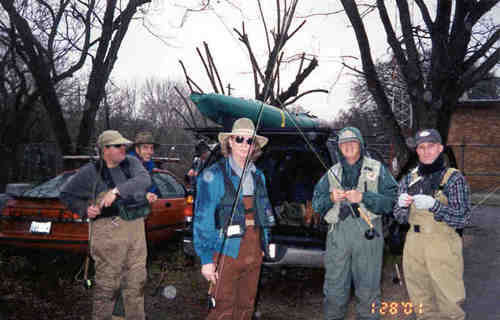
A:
[434,200]
[111,194]
[356,181]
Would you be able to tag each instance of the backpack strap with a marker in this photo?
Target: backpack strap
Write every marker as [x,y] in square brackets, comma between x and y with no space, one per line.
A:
[446,177]
[229,186]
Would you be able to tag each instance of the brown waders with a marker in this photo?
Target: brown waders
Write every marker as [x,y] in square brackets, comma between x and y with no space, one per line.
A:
[236,288]
[118,248]
[433,266]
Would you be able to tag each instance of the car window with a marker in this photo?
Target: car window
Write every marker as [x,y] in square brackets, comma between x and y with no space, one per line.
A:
[50,188]
[168,185]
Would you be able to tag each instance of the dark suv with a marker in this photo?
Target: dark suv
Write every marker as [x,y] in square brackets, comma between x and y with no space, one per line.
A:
[286,160]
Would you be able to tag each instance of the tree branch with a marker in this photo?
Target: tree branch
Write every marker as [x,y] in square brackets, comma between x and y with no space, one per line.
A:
[186,103]
[304,94]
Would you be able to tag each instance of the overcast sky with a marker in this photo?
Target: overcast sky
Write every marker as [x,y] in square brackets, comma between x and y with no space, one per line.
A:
[328,37]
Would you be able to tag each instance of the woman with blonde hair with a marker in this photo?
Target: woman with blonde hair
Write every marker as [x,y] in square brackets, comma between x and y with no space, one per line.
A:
[232,220]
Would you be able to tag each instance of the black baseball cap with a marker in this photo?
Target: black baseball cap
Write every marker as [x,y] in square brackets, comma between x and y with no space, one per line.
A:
[427,135]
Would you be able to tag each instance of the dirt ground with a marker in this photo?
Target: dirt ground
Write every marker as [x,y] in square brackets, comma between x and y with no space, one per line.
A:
[36,285]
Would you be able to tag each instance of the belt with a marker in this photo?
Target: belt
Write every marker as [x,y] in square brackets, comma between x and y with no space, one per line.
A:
[107,214]
[249,211]
[248,202]
[418,229]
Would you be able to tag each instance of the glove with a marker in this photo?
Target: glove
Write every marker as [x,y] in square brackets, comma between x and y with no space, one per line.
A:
[423,202]
[403,200]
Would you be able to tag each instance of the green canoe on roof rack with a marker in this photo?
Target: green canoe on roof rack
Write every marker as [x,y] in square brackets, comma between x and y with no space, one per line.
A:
[225,109]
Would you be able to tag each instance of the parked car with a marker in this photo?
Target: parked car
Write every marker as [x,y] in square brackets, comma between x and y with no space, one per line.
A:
[286,157]
[33,217]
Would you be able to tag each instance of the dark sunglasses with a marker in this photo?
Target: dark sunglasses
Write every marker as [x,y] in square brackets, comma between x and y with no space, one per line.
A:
[117,146]
[239,140]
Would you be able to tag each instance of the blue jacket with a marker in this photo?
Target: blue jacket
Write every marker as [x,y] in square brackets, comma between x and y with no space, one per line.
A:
[210,191]
[149,165]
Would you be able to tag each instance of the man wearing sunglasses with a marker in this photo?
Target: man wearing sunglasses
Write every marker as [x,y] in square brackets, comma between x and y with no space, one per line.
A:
[111,194]
[231,244]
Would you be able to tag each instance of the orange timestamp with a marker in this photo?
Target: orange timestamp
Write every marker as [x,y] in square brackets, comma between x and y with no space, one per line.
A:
[397,307]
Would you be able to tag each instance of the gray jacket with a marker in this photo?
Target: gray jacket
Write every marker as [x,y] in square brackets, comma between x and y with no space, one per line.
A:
[78,191]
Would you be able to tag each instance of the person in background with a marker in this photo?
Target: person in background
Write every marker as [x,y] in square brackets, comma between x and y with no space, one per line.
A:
[434,200]
[365,184]
[202,153]
[231,244]
[144,149]
[111,193]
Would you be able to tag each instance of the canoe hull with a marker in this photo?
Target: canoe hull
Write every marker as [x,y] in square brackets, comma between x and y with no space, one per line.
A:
[225,109]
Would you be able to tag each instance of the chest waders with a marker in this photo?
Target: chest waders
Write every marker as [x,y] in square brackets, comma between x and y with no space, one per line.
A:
[141,210]
[223,231]
[433,260]
[423,220]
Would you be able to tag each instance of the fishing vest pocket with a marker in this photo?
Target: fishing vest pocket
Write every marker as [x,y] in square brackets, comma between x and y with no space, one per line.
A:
[134,212]
[234,228]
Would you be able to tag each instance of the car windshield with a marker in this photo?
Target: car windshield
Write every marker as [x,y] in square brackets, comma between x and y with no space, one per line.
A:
[50,188]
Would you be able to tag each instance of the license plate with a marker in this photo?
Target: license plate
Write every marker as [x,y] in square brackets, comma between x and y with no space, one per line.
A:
[40,227]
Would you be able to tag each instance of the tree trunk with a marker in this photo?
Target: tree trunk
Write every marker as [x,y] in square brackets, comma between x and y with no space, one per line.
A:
[87,127]
[59,128]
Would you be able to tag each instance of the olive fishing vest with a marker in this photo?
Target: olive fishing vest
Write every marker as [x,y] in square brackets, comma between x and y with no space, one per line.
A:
[223,210]
[425,218]
[127,209]
[368,181]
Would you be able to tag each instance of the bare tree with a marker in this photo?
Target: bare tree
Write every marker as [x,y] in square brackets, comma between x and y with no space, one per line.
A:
[44,32]
[268,82]
[459,58]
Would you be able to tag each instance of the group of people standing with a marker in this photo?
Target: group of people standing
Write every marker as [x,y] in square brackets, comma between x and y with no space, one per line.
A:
[233,212]
[432,198]
[233,220]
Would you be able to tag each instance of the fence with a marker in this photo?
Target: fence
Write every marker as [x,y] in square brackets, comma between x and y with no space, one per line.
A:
[39,161]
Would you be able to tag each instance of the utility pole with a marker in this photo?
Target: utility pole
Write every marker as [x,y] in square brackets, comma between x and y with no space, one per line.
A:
[229,89]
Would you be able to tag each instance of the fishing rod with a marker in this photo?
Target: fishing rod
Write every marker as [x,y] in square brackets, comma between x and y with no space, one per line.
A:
[87,283]
[356,210]
[223,231]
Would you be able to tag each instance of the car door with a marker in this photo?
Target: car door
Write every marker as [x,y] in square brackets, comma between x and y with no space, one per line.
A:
[167,214]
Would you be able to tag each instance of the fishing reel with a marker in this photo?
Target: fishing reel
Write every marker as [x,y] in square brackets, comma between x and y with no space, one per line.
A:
[87,284]
[211,302]
[371,233]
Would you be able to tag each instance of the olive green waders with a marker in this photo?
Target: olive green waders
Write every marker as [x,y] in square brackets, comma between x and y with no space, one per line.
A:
[351,258]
